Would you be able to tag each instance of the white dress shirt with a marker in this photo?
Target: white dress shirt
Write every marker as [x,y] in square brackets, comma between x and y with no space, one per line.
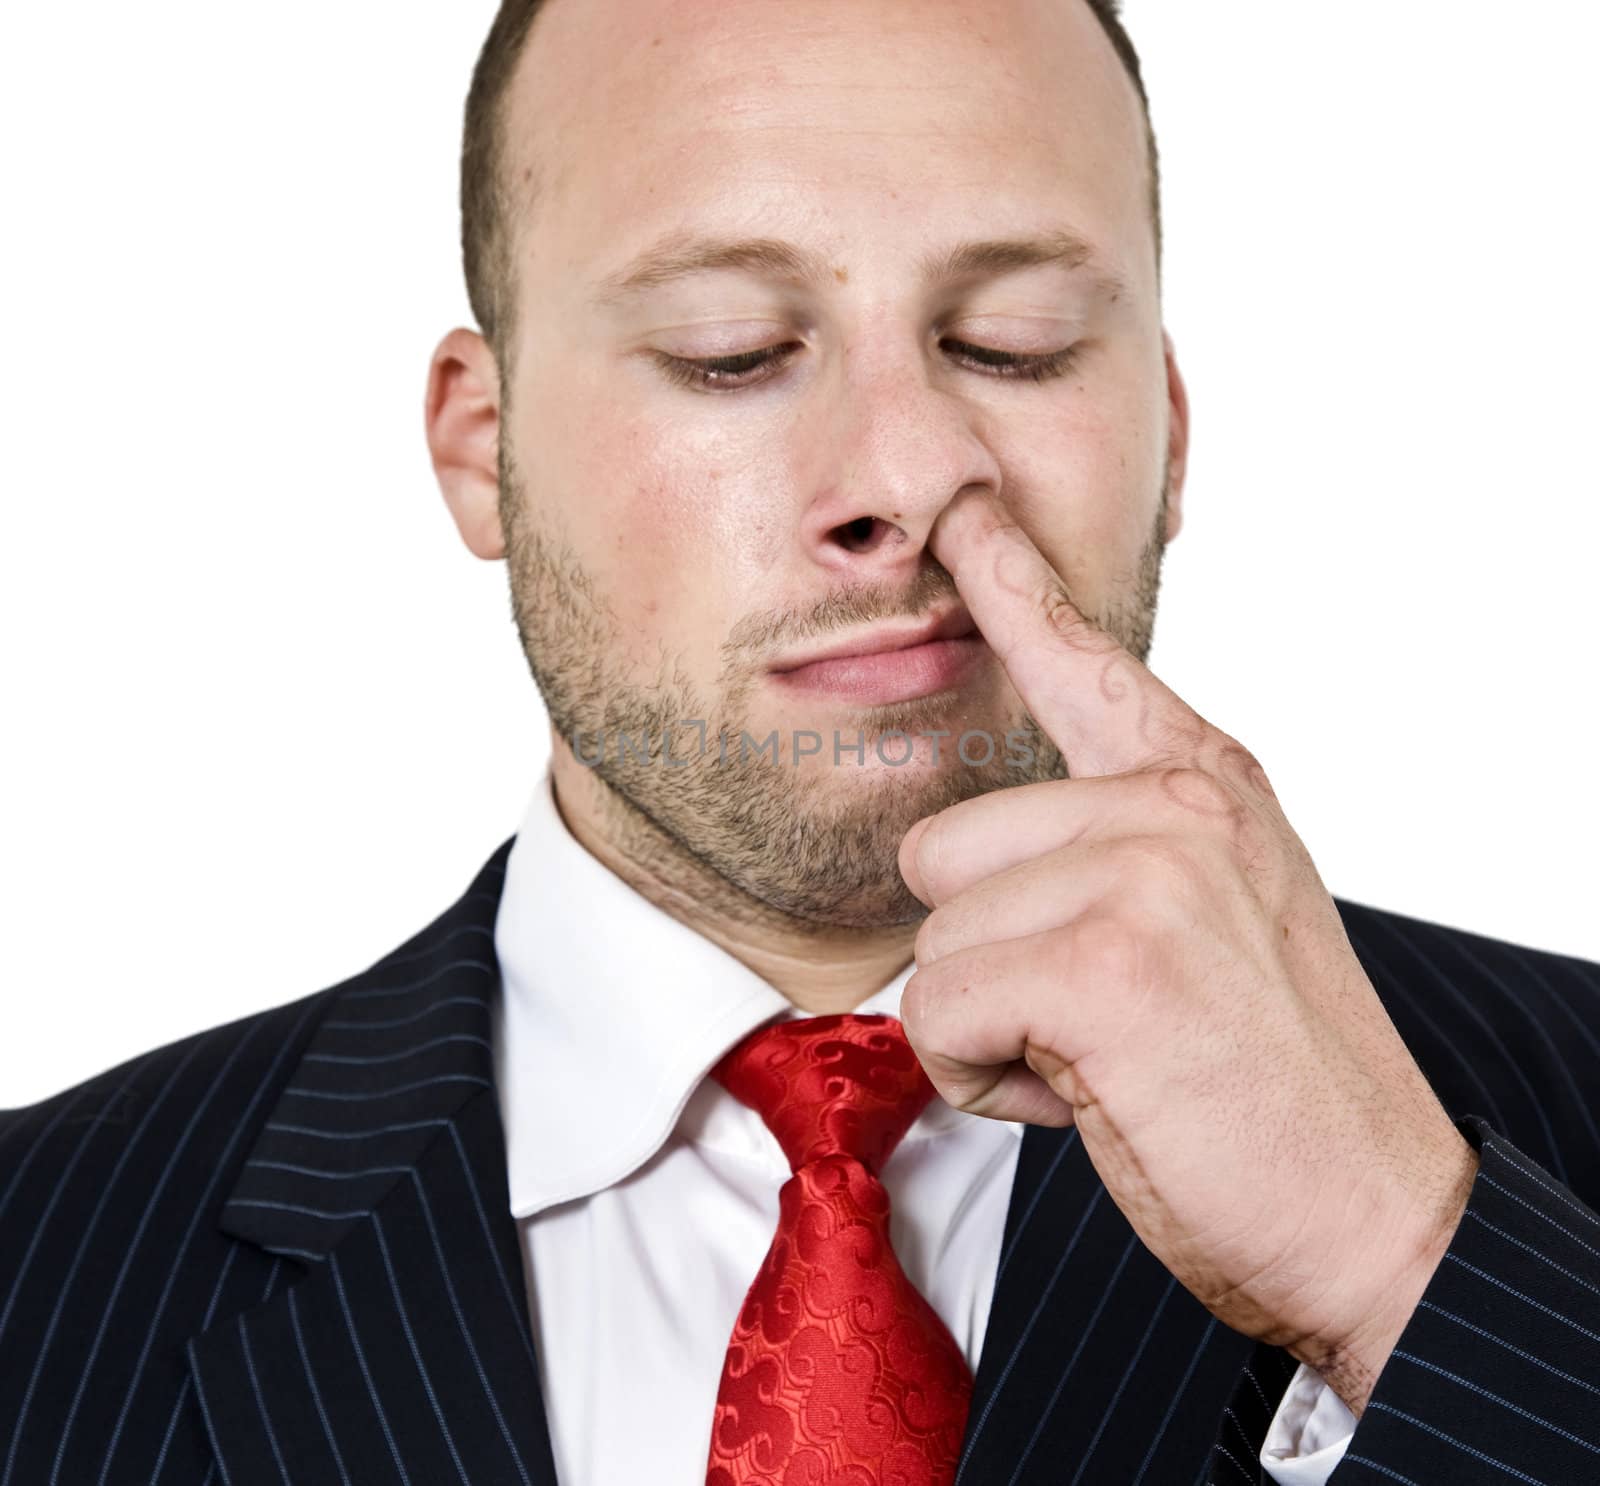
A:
[646,1195]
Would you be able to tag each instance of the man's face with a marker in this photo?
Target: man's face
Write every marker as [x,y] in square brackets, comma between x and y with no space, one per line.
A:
[679,543]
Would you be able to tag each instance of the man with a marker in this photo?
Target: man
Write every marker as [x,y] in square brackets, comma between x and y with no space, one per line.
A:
[904,1041]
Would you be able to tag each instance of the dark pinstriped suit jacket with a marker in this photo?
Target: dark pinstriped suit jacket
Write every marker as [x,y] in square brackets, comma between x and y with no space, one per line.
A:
[280,1252]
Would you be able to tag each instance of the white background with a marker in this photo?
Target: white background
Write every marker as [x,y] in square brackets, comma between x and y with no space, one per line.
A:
[266,716]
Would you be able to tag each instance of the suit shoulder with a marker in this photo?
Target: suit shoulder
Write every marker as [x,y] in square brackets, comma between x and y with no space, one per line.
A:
[1502,1030]
[149,1101]
[1400,942]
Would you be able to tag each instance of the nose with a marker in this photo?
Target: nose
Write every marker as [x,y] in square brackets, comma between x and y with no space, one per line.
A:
[896,452]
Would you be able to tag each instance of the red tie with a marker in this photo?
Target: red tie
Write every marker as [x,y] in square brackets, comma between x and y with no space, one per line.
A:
[839,1373]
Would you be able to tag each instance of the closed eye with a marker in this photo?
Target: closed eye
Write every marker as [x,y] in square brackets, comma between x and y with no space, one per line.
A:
[751,368]
[1009,364]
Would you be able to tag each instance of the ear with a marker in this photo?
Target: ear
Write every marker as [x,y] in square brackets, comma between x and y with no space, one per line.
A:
[462,414]
[1177,439]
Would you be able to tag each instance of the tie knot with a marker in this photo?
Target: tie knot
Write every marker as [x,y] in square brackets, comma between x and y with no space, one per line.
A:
[830,1085]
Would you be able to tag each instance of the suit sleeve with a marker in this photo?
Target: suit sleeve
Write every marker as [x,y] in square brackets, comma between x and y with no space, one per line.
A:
[1496,1378]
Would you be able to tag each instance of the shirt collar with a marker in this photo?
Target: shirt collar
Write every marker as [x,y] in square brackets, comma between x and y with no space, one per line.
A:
[611,1014]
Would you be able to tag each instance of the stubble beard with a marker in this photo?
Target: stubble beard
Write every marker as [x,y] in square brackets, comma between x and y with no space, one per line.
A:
[815,846]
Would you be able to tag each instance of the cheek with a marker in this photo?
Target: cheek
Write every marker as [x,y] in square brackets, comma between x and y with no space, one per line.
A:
[641,481]
[676,535]
[1087,484]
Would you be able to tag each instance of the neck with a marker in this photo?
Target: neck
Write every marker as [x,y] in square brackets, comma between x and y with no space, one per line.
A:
[821,968]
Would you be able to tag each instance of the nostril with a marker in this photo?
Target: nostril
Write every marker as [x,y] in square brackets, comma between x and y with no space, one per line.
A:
[863,534]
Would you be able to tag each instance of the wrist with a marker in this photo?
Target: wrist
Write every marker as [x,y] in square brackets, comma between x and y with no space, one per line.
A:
[1351,1362]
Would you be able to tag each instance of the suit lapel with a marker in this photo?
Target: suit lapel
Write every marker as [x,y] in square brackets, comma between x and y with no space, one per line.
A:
[402,1351]
[1096,1365]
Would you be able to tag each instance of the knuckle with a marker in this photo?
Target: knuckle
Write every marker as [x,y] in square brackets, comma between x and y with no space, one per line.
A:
[1164,857]
[1064,618]
[1202,795]
[1196,790]
[1108,949]
[1245,769]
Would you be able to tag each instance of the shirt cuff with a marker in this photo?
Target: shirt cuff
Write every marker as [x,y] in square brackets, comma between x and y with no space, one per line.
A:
[1308,1434]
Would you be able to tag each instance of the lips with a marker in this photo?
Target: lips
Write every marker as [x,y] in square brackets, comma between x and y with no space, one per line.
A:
[891,663]
[953,625]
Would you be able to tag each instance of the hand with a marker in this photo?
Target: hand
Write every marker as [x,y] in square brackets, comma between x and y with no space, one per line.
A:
[1146,949]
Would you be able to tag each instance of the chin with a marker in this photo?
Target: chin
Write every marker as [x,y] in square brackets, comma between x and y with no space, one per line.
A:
[879,904]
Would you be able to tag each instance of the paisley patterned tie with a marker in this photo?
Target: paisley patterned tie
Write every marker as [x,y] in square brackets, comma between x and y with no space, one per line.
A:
[839,1373]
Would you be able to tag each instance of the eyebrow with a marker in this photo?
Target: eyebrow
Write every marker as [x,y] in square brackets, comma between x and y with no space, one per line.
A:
[680,255]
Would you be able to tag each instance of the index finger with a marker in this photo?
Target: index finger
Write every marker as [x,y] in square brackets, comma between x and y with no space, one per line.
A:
[1096,701]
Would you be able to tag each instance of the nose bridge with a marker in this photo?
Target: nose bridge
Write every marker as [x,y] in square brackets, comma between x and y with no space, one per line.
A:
[900,449]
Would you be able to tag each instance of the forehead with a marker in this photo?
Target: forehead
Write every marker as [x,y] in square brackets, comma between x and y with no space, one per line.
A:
[844,120]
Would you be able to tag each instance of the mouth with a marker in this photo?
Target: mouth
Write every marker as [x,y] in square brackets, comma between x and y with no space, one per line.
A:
[889,663]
